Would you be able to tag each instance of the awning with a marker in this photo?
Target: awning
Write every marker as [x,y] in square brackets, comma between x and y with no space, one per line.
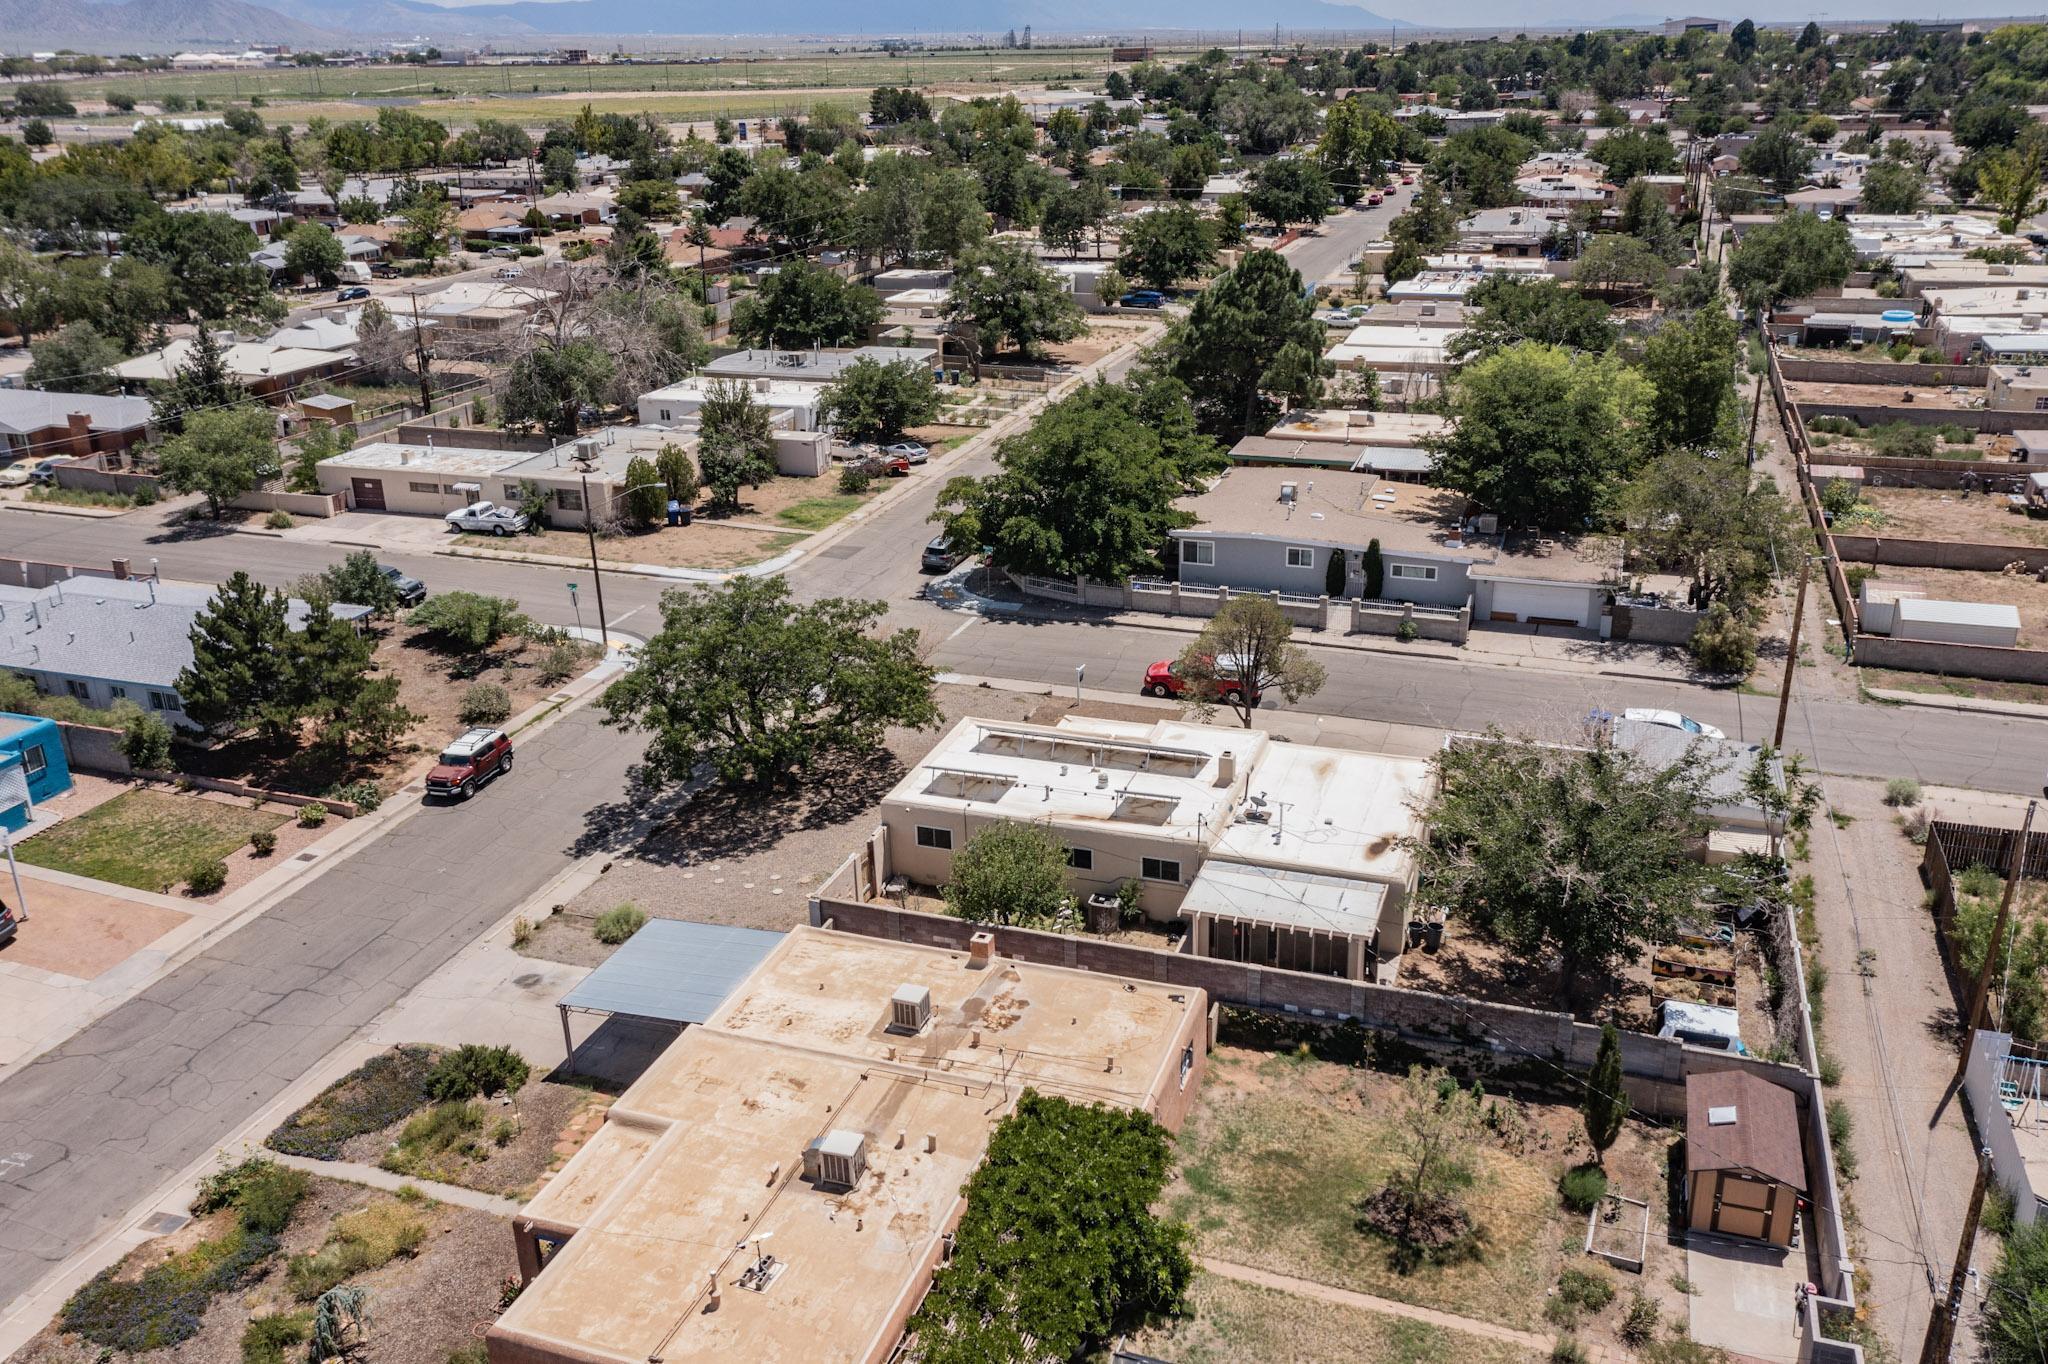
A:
[671,971]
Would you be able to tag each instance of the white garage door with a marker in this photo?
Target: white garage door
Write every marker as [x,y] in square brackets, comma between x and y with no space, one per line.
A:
[1541,603]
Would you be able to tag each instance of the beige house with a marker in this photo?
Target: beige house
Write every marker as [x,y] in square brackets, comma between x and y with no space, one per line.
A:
[1282,854]
[2017,388]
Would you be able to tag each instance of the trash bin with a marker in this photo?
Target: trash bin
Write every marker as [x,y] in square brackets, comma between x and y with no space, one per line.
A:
[688,512]
[675,512]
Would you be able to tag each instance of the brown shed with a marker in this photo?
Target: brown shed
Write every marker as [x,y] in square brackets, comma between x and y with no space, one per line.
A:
[1745,1162]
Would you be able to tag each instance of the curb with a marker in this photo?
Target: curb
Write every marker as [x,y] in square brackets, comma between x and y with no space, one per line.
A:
[2019,710]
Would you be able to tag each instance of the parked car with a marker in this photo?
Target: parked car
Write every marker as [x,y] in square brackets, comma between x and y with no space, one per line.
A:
[469,762]
[1143,298]
[1671,719]
[914,451]
[504,252]
[1164,679]
[488,517]
[1375,199]
[411,591]
[351,293]
[508,272]
[939,555]
[9,926]
[1407,179]
[46,469]
[16,474]
[879,464]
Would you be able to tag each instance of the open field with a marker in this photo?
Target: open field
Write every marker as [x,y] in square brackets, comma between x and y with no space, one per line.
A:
[851,70]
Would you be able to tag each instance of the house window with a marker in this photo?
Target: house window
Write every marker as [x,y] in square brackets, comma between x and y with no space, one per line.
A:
[569,499]
[928,837]
[1198,551]
[1081,859]
[32,760]
[2041,404]
[78,689]
[1300,556]
[120,693]
[432,489]
[1160,869]
[162,700]
[1426,572]
[665,416]
[512,494]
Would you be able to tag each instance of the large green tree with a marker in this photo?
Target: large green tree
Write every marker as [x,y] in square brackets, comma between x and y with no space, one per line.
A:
[804,305]
[1630,152]
[1167,246]
[1009,872]
[1006,298]
[1289,192]
[1577,856]
[74,359]
[1087,489]
[1250,337]
[221,453]
[742,681]
[1713,521]
[1691,361]
[241,668]
[1479,165]
[1790,258]
[735,447]
[313,252]
[873,401]
[549,385]
[1508,309]
[206,257]
[1542,437]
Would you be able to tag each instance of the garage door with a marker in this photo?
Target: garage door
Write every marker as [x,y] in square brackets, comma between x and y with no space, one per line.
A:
[367,493]
[1539,604]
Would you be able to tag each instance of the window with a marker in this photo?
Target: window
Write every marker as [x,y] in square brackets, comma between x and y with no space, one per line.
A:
[1160,869]
[163,700]
[78,689]
[1081,859]
[665,416]
[1426,572]
[569,499]
[1300,556]
[2041,404]
[1198,551]
[512,494]
[432,489]
[32,760]
[928,837]
[120,693]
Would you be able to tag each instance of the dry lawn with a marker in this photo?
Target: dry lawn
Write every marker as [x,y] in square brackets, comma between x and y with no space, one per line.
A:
[706,544]
[1232,1322]
[2018,590]
[531,1122]
[1930,514]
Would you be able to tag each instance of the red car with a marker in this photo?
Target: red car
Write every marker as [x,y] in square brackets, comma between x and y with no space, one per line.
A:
[1375,199]
[1164,679]
[469,762]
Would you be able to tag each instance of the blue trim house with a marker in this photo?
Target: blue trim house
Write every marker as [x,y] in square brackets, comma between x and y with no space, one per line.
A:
[32,766]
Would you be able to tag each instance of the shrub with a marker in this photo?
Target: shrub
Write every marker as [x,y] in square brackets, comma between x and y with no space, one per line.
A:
[1582,1187]
[854,479]
[1841,1127]
[503,1131]
[522,931]
[279,520]
[470,1070]
[618,923]
[1838,496]
[1129,912]
[559,663]
[360,1242]
[485,703]
[1837,426]
[1406,632]
[1585,1289]
[385,1088]
[364,795]
[145,494]
[263,842]
[264,1192]
[146,742]
[1901,791]
[1722,642]
[1903,440]
[1639,1323]
[165,1304]
[312,816]
[267,1339]
[468,621]
[205,878]
[1856,576]
[1567,1350]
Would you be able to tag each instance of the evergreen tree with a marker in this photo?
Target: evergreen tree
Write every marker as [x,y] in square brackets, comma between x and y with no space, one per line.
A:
[241,667]
[200,382]
[1606,1104]
[354,712]
[1375,570]
[646,492]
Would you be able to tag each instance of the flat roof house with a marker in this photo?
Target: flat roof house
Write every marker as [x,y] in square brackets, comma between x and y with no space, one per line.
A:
[816,366]
[35,423]
[33,767]
[781,1182]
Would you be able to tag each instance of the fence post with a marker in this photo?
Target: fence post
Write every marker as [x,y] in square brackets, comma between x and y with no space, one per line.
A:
[1130,598]
[1357,614]
[1175,603]
[1323,612]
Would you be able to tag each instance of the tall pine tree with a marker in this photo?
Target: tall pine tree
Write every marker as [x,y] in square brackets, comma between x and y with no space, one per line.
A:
[241,669]
[333,683]
[1606,1105]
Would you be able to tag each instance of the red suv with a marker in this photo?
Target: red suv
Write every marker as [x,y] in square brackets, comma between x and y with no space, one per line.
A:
[469,762]
[1164,679]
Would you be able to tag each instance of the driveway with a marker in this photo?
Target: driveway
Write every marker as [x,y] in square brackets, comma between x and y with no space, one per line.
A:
[1745,1297]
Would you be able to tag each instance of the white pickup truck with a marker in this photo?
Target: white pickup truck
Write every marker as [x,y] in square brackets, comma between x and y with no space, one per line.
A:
[489,518]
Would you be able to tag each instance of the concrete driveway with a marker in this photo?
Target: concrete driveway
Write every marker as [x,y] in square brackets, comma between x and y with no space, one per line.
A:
[1744,1297]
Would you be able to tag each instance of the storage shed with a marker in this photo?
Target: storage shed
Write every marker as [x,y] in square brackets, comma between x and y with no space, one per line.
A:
[1957,622]
[1745,1163]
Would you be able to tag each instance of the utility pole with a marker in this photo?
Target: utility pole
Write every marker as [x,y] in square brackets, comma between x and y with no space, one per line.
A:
[1756,407]
[1791,654]
[2015,872]
[596,574]
[419,355]
[1941,1322]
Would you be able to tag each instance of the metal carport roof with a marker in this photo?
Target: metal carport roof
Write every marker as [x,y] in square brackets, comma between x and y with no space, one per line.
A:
[671,970]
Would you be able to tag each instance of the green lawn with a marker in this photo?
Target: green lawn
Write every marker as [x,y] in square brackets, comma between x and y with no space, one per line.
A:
[816,513]
[146,839]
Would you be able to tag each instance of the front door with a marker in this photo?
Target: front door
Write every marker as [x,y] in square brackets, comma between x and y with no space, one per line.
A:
[1742,1206]
[368,493]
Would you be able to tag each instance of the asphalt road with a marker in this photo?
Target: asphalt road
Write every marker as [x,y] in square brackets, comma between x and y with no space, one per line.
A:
[1325,256]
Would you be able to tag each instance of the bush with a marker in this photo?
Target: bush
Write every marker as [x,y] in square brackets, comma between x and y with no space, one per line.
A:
[854,479]
[1567,1350]
[1129,912]
[146,742]
[266,1340]
[164,1305]
[312,816]
[485,703]
[1901,791]
[559,664]
[145,494]
[279,520]
[264,1192]
[364,795]
[470,1070]
[1836,426]
[1838,496]
[1903,440]
[1841,1127]
[360,1242]
[1407,632]
[206,877]
[263,842]
[1639,1323]
[379,1092]
[1582,1187]
[437,1143]
[618,923]
[1585,1289]
[1856,576]
[1722,642]
[468,621]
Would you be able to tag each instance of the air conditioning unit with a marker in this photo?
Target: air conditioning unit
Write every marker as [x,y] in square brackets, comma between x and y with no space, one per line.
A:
[836,1160]
[909,1008]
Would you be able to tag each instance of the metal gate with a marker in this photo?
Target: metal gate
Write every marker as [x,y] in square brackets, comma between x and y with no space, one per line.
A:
[367,493]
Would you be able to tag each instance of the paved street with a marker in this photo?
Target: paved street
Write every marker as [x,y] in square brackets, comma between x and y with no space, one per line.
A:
[95,1124]
[1325,257]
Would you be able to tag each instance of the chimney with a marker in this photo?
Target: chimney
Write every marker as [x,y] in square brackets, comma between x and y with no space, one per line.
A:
[121,570]
[981,950]
[78,433]
[1226,768]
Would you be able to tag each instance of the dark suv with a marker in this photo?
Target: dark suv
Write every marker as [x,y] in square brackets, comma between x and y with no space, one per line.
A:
[469,762]
[411,591]
[9,925]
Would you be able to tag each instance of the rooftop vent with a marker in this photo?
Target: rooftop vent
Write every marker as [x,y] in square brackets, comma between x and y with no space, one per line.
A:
[1723,1116]
[836,1160]
[909,1008]
[1287,492]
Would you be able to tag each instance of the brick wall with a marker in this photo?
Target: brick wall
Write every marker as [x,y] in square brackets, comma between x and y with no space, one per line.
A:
[1981,420]
[1884,549]
[1960,660]
[1654,625]
[1880,373]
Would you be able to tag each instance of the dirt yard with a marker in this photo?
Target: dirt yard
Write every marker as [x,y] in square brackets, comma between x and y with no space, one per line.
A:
[1929,514]
[511,1151]
[2018,590]
[1282,1145]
